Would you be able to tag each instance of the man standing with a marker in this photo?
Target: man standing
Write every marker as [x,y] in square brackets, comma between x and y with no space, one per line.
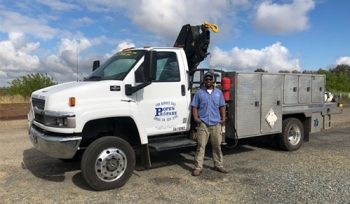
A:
[209,112]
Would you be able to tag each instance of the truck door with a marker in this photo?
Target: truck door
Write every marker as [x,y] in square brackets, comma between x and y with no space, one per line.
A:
[164,105]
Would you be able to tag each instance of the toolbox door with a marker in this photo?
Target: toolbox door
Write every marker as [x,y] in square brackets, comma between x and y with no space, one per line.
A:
[290,89]
[304,89]
[271,104]
[248,95]
[317,89]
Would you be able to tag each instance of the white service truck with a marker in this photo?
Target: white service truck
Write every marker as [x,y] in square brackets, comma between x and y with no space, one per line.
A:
[139,100]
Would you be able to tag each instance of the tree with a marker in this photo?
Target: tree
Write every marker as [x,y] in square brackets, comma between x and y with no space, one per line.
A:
[337,79]
[260,70]
[307,72]
[25,85]
[296,72]
[283,71]
[342,68]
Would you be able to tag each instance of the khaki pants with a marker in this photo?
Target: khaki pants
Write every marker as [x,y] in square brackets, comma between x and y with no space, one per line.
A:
[205,132]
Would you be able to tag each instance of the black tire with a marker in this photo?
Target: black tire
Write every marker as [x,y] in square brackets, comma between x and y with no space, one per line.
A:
[108,163]
[292,135]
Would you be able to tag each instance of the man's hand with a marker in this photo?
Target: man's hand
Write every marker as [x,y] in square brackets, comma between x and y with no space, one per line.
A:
[198,121]
[223,121]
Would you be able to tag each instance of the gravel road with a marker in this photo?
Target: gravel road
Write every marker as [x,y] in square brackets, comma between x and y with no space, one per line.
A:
[259,173]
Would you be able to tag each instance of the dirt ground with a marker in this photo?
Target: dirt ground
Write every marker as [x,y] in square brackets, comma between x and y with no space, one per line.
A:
[319,172]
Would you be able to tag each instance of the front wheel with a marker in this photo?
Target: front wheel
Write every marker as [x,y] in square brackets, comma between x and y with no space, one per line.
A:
[292,135]
[108,163]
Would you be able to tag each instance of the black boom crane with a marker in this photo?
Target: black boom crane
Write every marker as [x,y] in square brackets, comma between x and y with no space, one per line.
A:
[195,42]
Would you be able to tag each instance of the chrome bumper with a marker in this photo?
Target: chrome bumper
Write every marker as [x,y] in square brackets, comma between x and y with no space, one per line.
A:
[54,146]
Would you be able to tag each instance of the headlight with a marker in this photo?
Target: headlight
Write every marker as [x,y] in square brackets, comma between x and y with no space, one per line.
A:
[55,119]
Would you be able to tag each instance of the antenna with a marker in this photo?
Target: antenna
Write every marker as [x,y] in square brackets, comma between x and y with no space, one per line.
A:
[77,59]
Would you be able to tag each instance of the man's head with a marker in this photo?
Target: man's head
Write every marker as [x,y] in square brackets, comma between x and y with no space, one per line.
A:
[208,79]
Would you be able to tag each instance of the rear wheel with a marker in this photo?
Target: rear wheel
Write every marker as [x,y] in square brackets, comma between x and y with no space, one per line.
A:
[108,163]
[292,135]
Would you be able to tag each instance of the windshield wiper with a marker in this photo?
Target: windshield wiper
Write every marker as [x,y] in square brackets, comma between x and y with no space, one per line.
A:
[93,78]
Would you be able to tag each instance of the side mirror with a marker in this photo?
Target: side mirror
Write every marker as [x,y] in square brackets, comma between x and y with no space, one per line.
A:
[95,65]
[150,65]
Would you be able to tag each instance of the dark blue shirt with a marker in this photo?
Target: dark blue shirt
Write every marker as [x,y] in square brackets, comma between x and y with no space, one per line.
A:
[209,105]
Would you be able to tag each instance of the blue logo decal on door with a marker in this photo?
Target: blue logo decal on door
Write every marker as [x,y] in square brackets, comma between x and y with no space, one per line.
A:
[165,111]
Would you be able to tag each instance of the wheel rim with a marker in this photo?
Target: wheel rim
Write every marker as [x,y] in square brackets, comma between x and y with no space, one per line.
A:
[294,135]
[110,164]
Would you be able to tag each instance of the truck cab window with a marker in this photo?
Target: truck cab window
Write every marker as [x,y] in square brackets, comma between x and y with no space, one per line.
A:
[117,67]
[167,68]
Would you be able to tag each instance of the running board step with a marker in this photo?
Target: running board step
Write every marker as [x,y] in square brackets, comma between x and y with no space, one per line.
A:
[173,143]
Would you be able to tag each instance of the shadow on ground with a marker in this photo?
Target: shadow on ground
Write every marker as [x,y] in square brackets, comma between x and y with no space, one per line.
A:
[45,167]
[52,169]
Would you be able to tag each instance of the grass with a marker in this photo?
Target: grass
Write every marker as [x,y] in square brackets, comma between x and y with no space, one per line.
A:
[6,99]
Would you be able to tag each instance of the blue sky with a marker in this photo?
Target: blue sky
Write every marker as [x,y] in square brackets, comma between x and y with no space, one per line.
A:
[59,36]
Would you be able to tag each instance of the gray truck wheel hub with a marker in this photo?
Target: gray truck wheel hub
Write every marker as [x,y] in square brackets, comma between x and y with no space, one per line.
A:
[294,135]
[110,164]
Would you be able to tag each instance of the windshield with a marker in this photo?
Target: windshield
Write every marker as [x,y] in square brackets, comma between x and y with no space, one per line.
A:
[117,67]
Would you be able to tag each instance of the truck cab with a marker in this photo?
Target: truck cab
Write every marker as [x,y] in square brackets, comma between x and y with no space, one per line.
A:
[137,95]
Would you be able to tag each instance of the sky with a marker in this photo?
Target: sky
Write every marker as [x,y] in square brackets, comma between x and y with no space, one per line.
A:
[63,37]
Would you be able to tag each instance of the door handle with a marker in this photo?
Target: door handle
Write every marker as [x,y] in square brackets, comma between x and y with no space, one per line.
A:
[183,90]
[256,103]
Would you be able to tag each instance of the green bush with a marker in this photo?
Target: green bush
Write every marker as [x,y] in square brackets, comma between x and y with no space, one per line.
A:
[338,78]
[25,85]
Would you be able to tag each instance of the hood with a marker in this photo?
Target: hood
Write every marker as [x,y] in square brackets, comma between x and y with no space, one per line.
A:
[56,97]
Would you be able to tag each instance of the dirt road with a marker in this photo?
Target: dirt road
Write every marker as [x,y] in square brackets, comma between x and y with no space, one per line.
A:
[259,173]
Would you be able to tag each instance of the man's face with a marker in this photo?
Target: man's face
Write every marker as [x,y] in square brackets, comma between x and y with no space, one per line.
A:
[208,82]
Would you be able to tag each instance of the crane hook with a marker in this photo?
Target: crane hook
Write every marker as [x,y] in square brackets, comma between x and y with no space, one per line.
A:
[213,27]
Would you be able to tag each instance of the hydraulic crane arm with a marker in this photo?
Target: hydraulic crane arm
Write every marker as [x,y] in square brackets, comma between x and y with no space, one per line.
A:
[195,42]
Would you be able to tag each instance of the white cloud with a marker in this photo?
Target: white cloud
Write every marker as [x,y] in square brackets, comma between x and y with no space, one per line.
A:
[83,21]
[343,60]
[62,65]
[74,45]
[2,74]
[58,5]
[153,14]
[16,53]
[165,17]
[12,22]
[123,45]
[272,58]
[16,57]
[283,18]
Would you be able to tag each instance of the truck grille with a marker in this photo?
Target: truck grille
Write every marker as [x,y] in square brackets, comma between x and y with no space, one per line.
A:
[39,103]
[39,118]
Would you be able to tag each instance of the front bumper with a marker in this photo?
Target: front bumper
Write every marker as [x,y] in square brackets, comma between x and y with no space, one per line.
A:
[63,147]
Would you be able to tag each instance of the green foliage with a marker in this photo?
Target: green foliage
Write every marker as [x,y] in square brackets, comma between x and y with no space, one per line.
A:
[337,79]
[296,72]
[283,71]
[260,70]
[3,91]
[25,85]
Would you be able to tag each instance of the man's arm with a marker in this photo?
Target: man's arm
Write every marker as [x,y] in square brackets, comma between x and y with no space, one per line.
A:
[223,115]
[195,115]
